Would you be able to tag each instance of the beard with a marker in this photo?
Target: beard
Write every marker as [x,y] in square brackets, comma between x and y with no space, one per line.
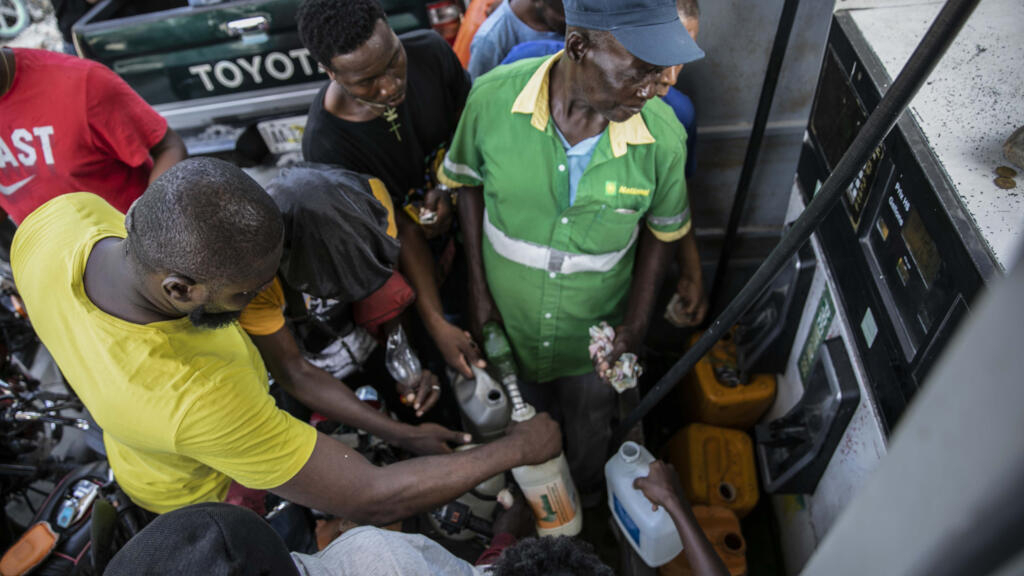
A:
[204,320]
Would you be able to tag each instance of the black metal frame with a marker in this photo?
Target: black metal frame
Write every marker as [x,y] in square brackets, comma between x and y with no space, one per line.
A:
[764,107]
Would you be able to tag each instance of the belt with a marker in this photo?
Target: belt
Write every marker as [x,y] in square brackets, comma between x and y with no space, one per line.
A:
[549,259]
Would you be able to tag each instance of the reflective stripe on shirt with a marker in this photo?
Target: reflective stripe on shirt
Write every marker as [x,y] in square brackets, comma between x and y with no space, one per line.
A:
[461,169]
[669,220]
[547,258]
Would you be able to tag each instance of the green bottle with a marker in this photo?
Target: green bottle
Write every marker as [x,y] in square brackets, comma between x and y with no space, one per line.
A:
[498,350]
[499,356]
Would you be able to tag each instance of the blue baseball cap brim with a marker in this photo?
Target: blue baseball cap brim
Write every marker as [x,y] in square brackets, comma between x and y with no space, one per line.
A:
[664,44]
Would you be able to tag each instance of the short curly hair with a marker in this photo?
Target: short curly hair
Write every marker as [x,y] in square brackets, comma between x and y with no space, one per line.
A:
[545,556]
[328,28]
[206,219]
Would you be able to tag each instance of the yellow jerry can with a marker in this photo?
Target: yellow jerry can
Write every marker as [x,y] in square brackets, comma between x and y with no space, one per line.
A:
[716,466]
[722,528]
[713,393]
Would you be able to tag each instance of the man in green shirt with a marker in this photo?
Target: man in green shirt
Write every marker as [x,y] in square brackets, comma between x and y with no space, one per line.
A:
[560,159]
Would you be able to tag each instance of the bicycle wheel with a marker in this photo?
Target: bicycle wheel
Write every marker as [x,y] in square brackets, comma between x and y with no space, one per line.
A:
[13,18]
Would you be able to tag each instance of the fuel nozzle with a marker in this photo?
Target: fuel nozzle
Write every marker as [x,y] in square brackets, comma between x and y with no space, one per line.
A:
[499,355]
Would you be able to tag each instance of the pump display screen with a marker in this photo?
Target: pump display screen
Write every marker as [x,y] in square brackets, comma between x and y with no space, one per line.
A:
[837,116]
[902,246]
[922,249]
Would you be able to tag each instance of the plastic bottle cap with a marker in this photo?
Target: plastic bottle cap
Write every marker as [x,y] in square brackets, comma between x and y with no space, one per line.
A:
[523,414]
[630,451]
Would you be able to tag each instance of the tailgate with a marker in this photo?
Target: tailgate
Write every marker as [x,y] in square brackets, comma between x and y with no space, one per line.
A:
[185,53]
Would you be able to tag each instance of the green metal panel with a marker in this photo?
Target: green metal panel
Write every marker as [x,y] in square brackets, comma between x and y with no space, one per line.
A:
[183,52]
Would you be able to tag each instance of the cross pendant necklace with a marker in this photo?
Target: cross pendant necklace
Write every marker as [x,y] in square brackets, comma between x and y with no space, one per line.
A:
[391,115]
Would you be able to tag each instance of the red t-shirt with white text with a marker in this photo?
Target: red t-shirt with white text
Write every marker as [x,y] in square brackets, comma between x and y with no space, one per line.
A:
[72,125]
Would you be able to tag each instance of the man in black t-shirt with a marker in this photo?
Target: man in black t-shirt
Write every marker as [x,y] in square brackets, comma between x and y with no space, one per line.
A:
[392,102]
[390,107]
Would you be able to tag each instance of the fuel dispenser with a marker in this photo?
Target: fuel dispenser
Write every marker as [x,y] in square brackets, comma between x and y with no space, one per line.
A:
[895,226]
[858,318]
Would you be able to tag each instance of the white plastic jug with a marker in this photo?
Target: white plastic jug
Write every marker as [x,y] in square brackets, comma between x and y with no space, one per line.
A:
[549,490]
[652,534]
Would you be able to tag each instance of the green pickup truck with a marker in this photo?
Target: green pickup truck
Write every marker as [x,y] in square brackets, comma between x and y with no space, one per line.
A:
[219,71]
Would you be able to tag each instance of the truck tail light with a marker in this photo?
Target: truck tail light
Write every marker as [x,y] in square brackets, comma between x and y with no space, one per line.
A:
[445,18]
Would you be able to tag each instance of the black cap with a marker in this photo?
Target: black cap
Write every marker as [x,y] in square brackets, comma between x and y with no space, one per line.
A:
[213,539]
[650,29]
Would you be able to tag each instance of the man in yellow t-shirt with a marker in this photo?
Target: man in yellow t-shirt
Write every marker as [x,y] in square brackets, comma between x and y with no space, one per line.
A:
[138,313]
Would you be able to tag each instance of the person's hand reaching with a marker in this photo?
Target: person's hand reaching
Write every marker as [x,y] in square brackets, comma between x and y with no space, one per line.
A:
[661,486]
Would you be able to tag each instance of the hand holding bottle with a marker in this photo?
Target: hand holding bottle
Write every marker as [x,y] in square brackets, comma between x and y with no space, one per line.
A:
[415,386]
[539,439]
[661,486]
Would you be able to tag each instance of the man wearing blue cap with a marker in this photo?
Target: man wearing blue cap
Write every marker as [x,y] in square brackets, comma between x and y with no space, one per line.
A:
[560,159]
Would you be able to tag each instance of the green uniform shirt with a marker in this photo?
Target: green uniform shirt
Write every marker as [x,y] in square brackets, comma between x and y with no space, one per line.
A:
[554,270]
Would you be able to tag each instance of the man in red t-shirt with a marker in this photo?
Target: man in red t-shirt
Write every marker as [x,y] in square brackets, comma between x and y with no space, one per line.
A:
[72,125]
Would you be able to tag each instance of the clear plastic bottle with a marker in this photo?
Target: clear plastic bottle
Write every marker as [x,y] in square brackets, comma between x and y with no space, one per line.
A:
[400,359]
[651,533]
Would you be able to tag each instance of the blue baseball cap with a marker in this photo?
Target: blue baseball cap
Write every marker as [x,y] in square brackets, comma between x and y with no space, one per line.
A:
[648,29]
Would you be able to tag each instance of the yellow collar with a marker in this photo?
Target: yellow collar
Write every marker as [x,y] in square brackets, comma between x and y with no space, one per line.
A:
[533,100]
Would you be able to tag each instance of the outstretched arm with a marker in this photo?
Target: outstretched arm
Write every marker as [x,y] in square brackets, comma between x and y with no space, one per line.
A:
[471,218]
[417,263]
[319,390]
[338,480]
[661,488]
[694,304]
[652,258]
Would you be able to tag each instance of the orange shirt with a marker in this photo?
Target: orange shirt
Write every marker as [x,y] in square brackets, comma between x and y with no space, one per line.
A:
[471,21]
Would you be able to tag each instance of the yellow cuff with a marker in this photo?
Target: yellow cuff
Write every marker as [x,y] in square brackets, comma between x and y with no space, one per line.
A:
[444,179]
[671,236]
